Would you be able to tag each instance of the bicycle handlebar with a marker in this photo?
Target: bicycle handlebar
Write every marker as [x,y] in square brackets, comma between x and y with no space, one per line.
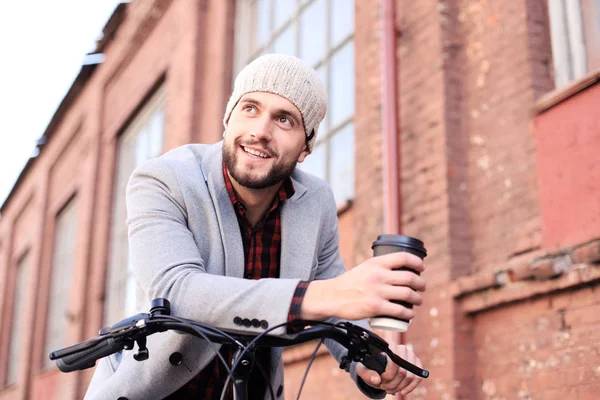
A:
[87,356]
[363,345]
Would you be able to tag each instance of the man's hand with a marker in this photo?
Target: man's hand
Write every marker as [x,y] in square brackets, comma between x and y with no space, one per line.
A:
[366,290]
[393,379]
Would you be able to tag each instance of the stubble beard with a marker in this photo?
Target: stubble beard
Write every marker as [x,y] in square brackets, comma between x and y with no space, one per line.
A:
[248,178]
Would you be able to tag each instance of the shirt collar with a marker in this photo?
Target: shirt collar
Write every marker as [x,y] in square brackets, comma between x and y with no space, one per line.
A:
[286,191]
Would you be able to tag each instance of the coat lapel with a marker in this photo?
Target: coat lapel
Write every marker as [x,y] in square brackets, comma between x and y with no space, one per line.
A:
[300,221]
[212,167]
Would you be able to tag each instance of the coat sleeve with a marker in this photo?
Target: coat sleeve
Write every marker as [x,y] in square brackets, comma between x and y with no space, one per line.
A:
[167,263]
[331,265]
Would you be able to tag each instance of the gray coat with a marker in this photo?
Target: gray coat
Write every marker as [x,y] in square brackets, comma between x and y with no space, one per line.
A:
[185,245]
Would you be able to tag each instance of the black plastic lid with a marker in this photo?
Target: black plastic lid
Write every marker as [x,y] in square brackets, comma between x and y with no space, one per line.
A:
[400,240]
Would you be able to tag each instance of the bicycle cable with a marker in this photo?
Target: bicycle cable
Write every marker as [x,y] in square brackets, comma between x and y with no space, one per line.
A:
[194,325]
[249,345]
[263,334]
[310,361]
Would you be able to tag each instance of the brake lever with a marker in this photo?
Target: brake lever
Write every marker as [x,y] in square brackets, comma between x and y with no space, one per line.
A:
[125,324]
[376,345]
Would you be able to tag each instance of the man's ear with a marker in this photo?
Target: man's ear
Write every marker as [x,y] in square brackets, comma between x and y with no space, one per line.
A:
[303,155]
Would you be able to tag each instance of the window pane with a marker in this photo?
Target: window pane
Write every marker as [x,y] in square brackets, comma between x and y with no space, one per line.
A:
[312,32]
[263,28]
[156,133]
[60,280]
[322,72]
[283,11]
[142,146]
[286,42]
[342,20]
[16,330]
[315,163]
[576,44]
[341,170]
[342,85]
[566,32]
[591,26]
[266,50]
[141,141]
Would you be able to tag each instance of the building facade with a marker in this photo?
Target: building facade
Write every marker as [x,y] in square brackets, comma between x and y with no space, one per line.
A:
[470,124]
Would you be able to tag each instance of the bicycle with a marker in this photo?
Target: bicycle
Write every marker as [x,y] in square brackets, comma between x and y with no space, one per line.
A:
[363,345]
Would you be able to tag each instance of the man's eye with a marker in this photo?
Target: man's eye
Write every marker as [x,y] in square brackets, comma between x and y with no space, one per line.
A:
[285,120]
[249,108]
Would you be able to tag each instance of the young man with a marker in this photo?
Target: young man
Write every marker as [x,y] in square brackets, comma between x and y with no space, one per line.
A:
[235,236]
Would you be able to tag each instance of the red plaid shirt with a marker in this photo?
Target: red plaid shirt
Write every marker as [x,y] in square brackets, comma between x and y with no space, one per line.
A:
[262,253]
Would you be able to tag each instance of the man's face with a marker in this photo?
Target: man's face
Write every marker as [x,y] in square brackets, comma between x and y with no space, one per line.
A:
[265,139]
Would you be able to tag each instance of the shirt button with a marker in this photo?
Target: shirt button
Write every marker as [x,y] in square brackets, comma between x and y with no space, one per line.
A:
[255,323]
[264,324]
[246,322]
[237,321]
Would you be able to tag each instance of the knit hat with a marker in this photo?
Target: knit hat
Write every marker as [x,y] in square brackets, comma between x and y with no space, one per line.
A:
[290,78]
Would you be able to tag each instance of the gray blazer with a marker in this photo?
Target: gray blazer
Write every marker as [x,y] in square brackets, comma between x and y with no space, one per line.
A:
[185,245]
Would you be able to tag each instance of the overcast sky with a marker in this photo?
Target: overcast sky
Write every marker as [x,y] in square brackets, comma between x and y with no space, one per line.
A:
[42,46]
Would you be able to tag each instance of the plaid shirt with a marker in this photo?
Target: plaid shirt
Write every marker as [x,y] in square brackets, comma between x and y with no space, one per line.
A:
[262,253]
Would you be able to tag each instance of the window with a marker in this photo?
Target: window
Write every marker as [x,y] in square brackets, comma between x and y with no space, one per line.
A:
[575,33]
[57,321]
[18,317]
[142,140]
[321,33]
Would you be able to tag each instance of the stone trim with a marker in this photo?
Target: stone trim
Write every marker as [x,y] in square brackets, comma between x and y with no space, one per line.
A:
[557,96]
[538,275]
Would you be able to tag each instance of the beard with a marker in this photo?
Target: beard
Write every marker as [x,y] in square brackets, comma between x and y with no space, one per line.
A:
[251,178]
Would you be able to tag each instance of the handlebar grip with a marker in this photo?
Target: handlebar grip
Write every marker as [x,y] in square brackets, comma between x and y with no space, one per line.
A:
[376,363]
[85,359]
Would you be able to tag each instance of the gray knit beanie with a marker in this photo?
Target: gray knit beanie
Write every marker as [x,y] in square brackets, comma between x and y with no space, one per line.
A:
[290,78]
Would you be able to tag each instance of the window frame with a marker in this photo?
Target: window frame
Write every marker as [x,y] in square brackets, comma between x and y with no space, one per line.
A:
[23,267]
[71,209]
[574,42]
[246,50]
[117,304]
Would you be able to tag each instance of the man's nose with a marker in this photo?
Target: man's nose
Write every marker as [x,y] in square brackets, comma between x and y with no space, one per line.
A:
[262,128]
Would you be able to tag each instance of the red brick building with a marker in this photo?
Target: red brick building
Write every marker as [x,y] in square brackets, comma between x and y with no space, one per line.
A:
[472,125]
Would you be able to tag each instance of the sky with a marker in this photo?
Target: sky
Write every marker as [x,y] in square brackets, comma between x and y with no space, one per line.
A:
[42,46]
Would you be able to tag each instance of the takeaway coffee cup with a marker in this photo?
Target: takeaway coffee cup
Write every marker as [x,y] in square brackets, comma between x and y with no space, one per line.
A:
[390,244]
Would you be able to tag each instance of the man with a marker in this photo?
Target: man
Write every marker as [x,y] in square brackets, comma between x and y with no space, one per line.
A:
[234,236]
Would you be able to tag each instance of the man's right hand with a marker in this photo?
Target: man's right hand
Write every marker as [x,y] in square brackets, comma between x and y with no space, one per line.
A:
[366,290]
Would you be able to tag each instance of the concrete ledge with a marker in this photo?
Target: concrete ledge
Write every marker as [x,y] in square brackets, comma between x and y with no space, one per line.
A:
[526,277]
[579,275]
[557,96]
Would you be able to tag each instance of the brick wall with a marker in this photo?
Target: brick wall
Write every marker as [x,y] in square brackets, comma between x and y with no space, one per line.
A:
[500,53]
[368,202]
[545,348]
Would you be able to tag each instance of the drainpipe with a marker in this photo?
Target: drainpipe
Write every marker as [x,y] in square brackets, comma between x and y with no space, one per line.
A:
[390,106]
[392,210]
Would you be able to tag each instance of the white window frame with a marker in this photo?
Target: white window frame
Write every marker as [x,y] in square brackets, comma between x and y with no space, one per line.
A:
[20,291]
[575,32]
